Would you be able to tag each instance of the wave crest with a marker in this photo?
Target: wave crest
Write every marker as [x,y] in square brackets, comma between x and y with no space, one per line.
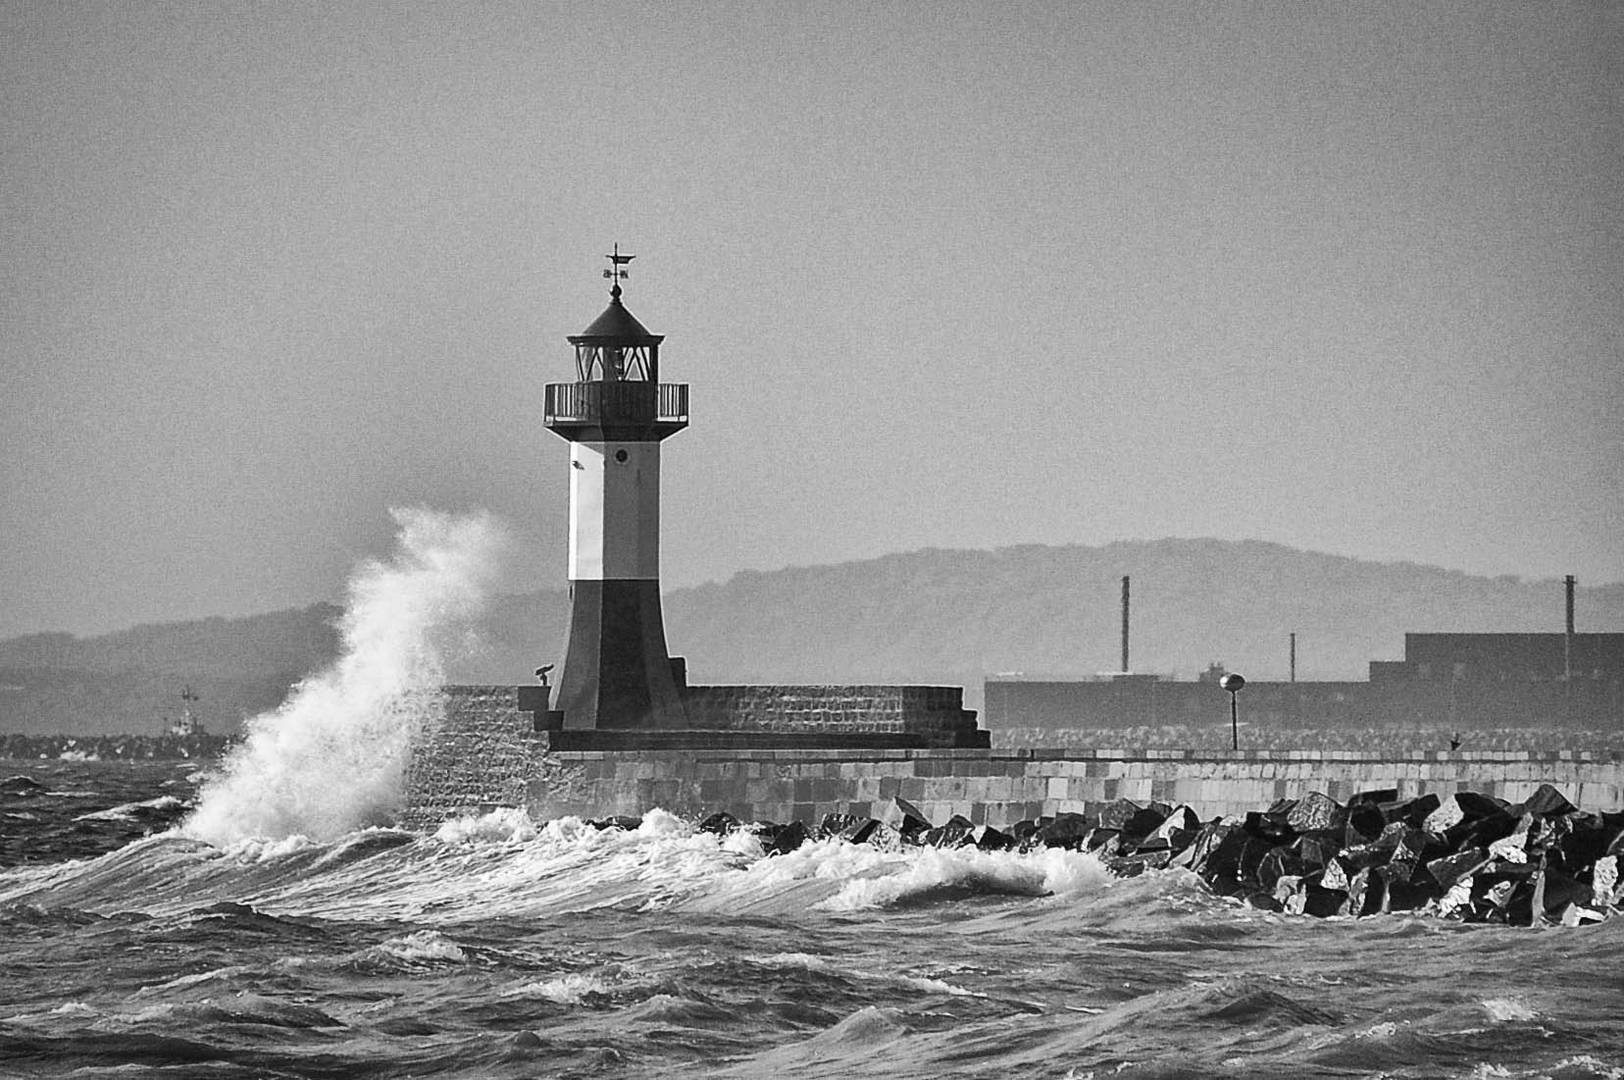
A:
[332,757]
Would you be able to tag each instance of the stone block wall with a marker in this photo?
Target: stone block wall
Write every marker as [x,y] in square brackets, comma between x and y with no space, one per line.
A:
[787,785]
[481,754]
[936,713]
[485,755]
[1002,788]
[1232,782]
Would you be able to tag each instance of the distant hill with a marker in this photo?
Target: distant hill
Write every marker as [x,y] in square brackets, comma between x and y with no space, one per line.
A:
[927,616]
[955,616]
[130,681]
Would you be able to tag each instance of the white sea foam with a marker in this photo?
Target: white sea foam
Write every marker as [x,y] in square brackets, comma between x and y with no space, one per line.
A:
[253,849]
[130,811]
[1508,1009]
[565,830]
[743,842]
[795,960]
[501,864]
[505,825]
[332,757]
[422,946]
[186,982]
[1587,1065]
[810,962]
[658,824]
[571,989]
[931,870]
[937,986]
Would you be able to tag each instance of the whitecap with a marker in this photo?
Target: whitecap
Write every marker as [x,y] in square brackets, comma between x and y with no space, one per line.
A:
[660,824]
[744,842]
[182,982]
[932,871]
[1586,1065]
[507,824]
[565,830]
[571,989]
[256,850]
[937,986]
[151,1014]
[863,1033]
[163,804]
[1502,1010]
[422,946]
[795,960]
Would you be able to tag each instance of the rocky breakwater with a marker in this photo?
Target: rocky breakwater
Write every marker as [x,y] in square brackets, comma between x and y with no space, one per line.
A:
[1467,857]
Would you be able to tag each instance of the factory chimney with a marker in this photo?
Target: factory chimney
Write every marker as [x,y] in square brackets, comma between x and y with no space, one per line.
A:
[1125,668]
[1567,640]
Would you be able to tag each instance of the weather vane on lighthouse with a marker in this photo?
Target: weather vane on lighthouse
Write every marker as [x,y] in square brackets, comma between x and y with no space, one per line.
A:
[617,270]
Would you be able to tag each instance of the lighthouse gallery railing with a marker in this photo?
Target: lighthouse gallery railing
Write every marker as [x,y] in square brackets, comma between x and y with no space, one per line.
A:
[616,402]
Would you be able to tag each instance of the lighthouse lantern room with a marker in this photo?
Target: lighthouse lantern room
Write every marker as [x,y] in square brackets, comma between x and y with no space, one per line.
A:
[616,671]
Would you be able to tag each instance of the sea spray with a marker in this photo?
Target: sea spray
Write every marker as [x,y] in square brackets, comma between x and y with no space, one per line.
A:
[331,758]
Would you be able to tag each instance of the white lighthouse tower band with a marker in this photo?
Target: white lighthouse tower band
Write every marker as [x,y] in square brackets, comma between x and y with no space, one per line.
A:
[616,671]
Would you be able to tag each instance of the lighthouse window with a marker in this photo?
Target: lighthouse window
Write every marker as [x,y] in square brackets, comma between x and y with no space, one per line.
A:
[620,456]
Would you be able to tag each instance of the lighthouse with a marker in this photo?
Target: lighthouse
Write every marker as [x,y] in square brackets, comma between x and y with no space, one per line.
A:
[616,671]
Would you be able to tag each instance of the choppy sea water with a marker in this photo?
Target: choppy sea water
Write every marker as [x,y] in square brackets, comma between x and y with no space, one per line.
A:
[495,948]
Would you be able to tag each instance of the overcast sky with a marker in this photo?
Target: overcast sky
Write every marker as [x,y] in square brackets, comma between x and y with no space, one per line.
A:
[1342,276]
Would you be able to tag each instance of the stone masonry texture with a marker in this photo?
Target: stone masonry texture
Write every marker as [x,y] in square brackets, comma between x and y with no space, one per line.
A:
[484,754]
[865,709]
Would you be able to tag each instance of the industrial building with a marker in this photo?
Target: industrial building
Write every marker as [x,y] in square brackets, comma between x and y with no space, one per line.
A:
[1466,681]
[1455,681]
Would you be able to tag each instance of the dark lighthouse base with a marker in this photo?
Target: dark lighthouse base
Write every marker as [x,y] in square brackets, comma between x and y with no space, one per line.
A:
[616,673]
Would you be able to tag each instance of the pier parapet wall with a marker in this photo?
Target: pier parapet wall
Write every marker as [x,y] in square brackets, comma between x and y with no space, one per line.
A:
[485,755]
[479,754]
[1001,788]
[936,712]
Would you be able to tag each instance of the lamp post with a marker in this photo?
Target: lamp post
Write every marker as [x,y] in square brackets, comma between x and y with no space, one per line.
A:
[1233,683]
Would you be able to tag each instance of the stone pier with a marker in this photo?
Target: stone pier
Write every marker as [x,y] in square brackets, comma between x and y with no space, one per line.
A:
[486,754]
